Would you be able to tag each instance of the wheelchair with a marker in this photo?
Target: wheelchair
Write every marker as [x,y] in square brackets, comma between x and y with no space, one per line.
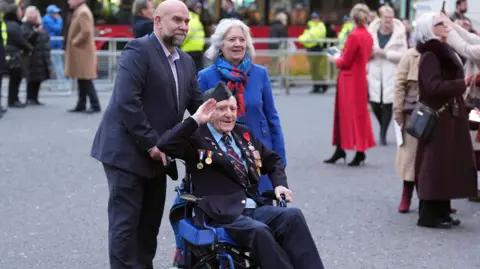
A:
[206,247]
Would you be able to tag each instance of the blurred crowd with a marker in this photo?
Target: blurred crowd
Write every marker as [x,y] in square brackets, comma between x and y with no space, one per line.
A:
[427,81]
[26,52]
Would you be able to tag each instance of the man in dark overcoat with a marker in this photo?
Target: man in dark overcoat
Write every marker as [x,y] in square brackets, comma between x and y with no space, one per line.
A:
[155,83]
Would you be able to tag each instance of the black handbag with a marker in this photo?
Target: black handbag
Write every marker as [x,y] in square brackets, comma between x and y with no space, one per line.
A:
[422,122]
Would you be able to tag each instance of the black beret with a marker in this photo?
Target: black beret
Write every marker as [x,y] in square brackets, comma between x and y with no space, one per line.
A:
[219,93]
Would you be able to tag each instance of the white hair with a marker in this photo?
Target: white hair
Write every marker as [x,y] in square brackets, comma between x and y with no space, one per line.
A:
[35,10]
[218,36]
[424,28]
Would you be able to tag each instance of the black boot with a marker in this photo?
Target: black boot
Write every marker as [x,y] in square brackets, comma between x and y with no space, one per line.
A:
[337,155]
[387,112]
[358,159]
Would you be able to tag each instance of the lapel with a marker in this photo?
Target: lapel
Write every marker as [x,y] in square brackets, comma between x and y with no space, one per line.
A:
[166,66]
[220,157]
[247,155]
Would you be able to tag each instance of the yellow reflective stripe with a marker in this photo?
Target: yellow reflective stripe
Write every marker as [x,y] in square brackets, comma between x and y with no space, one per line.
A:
[4,33]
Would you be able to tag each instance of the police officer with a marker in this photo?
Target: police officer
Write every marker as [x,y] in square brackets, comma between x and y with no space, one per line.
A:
[346,30]
[195,41]
[311,39]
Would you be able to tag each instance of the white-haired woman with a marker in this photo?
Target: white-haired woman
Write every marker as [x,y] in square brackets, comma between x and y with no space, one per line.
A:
[444,167]
[232,53]
[39,67]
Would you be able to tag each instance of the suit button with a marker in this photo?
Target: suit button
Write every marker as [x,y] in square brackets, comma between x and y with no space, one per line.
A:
[243,201]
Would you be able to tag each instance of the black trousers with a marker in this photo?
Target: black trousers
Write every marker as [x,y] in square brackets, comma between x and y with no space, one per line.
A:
[197,57]
[277,237]
[135,210]
[383,113]
[86,88]
[15,78]
[432,212]
[33,88]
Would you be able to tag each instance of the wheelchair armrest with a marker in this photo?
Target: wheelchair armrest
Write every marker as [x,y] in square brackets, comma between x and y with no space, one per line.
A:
[190,198]
[271,195]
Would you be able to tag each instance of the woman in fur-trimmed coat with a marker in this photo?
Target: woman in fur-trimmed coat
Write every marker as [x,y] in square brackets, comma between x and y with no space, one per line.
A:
[444,166]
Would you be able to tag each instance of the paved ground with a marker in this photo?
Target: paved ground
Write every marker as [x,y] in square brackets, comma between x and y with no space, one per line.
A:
[53,196]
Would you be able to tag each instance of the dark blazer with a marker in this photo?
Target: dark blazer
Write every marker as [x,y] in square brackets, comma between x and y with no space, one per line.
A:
[143,106]
[444,166]
[223,193]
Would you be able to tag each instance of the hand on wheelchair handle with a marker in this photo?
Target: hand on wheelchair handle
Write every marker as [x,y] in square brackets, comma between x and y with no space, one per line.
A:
[283,193]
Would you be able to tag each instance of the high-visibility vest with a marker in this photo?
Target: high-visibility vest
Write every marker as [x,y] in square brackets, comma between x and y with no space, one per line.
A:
[315,32]
[346,30]
[4,30]
[195,40]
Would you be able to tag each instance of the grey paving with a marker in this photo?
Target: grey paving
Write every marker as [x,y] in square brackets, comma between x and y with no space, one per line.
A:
[53,196]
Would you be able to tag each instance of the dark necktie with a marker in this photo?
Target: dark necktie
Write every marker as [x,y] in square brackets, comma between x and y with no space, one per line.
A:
[235,159]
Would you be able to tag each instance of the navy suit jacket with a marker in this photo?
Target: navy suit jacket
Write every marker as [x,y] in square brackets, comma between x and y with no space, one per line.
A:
[143,106]
[224,196]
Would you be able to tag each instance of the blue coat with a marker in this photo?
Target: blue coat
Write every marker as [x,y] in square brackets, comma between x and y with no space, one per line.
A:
[262,116]
[54,28]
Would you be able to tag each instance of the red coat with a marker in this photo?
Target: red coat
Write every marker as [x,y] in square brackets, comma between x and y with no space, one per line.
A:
[352,125]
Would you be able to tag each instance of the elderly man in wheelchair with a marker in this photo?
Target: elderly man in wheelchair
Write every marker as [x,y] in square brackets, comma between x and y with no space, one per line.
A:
[232,228]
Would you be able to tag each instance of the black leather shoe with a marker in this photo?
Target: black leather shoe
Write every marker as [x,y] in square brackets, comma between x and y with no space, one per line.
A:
[437,225]
[337,155]
[77,110]
[17,104]
[33,102]
[454,222]
[358,160]
[93,110]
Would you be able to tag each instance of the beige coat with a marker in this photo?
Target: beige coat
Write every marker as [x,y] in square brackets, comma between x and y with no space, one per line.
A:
[80,54]
[467,45]
[406,85]
[382,70]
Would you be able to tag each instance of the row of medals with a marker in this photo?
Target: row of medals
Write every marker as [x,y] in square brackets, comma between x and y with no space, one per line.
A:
[208,160]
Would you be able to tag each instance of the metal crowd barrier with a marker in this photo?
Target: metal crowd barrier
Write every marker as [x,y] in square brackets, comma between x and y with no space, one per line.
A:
[287,67]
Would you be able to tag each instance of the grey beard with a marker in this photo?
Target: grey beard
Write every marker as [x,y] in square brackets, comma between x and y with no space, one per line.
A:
[172,41]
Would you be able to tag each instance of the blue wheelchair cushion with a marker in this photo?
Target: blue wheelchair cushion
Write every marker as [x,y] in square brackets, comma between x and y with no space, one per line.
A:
[202,237]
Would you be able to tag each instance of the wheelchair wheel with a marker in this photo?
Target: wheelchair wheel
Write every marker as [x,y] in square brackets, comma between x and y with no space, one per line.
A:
[202,258]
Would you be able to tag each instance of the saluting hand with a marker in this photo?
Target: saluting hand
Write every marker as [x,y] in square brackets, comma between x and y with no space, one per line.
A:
[205,111]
